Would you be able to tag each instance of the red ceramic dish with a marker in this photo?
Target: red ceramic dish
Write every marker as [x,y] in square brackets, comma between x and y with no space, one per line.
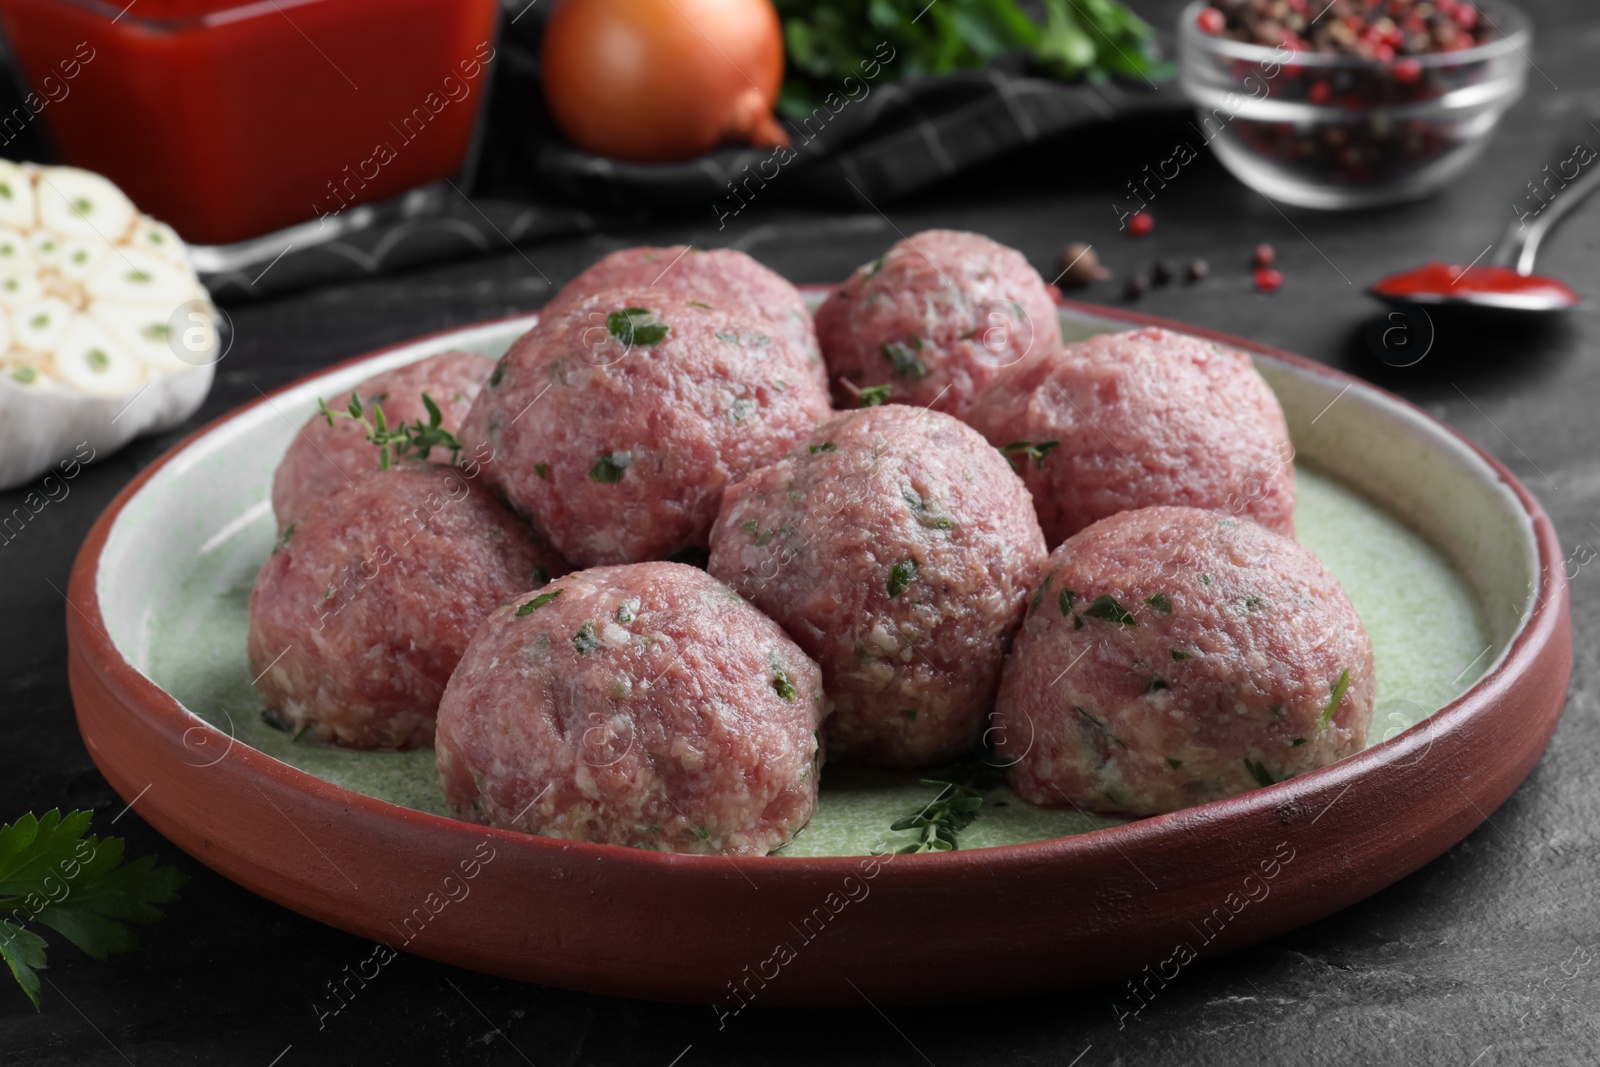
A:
[230,118]
[812,932]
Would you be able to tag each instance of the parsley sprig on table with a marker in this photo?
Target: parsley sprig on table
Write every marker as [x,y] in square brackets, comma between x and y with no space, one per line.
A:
[52,871]
[405,438]
[829,40]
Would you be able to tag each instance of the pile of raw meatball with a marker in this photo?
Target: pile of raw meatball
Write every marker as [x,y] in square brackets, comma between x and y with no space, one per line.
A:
[692,538]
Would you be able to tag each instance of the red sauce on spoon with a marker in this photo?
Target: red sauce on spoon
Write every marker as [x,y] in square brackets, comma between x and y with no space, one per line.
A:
[1437,280]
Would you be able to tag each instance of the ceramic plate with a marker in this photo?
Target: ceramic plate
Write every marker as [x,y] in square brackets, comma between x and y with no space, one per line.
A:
[1452,565]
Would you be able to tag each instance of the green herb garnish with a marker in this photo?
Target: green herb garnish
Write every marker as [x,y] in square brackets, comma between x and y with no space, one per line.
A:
[1297,742]
[1106,609]
[901,575]
[499,374]
[1338,690]
[830,41]
[542,470]
[39,857]
[1252,603]
[1044,589]
[1161,602]
[610,467]
[874,267]
[636,326]
[98,360]
[781,684]
[419,437]
[1174,763]
[1156,683]
[1020,452]
[25,375]
[826,446]
[873,395]
[1259,772]
[584,641]
[288,535]
[940,822]
[903,358]
[1180,654]
[742,409]
[540,601]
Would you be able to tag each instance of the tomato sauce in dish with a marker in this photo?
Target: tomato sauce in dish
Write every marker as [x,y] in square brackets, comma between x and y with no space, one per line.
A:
[229,120]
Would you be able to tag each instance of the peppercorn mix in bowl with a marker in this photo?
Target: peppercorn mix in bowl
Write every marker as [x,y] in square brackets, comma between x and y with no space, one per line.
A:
[1350,103]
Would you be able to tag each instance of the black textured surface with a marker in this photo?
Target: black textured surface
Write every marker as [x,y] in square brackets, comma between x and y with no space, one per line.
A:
[1487,956]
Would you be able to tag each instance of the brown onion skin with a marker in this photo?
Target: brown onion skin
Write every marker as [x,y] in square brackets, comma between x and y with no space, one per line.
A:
[657,81]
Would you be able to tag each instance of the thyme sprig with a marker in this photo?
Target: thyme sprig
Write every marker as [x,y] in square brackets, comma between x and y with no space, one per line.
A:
[940,822]
[405,438]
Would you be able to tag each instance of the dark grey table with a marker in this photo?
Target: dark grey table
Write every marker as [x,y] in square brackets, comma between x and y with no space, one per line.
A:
[1487,956]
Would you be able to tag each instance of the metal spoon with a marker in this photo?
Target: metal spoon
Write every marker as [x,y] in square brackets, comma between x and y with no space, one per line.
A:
[1507,282]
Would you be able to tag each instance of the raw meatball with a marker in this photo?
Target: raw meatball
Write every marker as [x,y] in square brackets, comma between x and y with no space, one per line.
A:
[1133,420]
[361,612]
[721,277]
[643,705]
[323,459]
[898,549]
[619,451]
[1175,656]
[936,318]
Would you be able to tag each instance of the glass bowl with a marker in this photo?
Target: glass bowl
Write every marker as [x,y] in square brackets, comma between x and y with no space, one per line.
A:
[1328,130]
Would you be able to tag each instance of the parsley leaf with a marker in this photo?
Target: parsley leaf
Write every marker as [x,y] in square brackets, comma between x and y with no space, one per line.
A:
[53,870]
[901,575]
[873,395]
[1337,691]
[585,641]
[636,326]
[538,602]
[610,467]
[826,446]
[1106,609]
[782,685]
[1065,600]
[1180,654]
[903,358]
[1259,772]
[1022,451]
[1161,602]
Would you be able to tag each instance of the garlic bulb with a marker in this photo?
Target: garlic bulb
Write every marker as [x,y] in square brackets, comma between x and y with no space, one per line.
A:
[105,332]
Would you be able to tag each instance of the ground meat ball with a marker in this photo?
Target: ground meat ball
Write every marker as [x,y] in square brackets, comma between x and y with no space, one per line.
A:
[1133,420]
[361,612]
[936,318]
[620,453]
[323,459]
[643,705]
[898,549]
[1175,656]
[722,277]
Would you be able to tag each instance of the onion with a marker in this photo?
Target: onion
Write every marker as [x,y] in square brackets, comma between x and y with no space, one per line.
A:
[656,81]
